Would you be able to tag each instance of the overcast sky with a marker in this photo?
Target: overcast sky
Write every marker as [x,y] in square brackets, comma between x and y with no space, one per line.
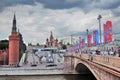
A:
[36,18]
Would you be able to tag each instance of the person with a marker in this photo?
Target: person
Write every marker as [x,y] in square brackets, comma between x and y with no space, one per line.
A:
[90,56]
[119,52]
[111,52]
[106,56]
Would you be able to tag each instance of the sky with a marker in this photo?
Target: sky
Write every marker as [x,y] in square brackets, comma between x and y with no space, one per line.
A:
[36,18]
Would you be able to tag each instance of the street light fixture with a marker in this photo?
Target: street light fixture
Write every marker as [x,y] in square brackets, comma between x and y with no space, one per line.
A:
[99,19]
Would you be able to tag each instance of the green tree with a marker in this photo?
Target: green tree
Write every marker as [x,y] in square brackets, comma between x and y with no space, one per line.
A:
[68,43]
[26,58]
[37,44]
[64,46]
[4,44]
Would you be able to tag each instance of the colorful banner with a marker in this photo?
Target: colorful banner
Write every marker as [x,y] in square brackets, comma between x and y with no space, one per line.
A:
[109,24]
[104,27]
[82,43]
[95,37]
[76,47]
[108,32]
[89,40]
[78,42]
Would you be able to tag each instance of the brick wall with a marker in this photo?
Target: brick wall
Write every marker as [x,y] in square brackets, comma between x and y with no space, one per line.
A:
[2,53]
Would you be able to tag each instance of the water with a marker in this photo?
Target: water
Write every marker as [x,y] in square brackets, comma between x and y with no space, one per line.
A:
[49,77]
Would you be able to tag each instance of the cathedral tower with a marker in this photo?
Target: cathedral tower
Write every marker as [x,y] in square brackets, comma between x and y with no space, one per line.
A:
[51,42]
[14,45]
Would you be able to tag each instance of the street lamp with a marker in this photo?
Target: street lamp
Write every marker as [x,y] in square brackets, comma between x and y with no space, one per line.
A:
[99,19]
[71,40]
[87,36]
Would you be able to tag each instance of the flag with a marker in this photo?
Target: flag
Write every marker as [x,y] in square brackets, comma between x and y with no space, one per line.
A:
[89,40]
[109,24]
[104,27]
[95,37]
[82,43]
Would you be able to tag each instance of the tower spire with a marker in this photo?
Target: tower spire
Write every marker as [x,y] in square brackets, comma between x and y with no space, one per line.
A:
[14,28]
[51,36]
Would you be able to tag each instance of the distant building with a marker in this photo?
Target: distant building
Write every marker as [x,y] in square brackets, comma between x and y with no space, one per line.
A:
[51,42]
[29,47]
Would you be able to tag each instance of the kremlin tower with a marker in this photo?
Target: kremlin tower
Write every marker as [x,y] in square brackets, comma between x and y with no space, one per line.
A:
[14,45]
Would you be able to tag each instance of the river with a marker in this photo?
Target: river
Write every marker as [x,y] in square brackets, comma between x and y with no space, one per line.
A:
[49,77]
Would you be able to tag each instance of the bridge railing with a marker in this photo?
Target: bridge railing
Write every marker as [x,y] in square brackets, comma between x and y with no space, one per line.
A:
[109,60]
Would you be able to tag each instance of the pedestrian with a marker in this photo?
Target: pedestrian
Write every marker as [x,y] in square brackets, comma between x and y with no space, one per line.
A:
[119,52]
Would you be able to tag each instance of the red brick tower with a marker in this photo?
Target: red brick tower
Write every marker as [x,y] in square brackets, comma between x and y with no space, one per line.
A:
[14,45]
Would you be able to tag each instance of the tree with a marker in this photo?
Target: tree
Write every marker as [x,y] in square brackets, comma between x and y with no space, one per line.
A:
[37,44]
[29,44]
[64,46]
[4,44]
[68,43]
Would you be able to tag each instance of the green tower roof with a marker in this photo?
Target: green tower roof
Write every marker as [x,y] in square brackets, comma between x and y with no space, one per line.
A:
[14,28]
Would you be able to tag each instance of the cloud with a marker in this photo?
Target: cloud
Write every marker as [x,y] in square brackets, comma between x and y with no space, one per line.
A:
[85,5]
[65,4]
[8,3]
[111,4]
[116,11]
[36,21]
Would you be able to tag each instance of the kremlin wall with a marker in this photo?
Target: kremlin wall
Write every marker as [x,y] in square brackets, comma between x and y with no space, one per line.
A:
[4,57]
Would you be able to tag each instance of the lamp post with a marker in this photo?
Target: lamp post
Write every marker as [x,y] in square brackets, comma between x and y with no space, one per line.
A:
[99,19]
[79,45]
[71,40]
[87,36]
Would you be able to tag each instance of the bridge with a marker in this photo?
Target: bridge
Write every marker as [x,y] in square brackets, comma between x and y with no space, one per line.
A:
[102,67]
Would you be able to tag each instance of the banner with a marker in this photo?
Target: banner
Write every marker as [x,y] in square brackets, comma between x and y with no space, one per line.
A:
[89,40]
[109,24]
[104,27]
[82,43]
[108,32]
[78,42]
[95,37]
[76,47]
